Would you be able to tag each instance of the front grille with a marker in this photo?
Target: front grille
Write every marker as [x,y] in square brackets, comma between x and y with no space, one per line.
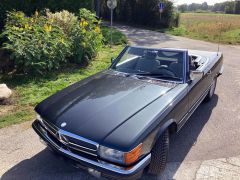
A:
[50,128]
[69,141]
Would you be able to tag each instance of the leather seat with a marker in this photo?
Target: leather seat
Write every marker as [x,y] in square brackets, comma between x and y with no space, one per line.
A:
[148,63]
[177,68]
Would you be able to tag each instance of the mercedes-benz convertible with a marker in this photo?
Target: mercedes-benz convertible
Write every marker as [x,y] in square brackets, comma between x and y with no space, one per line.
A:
[117,122]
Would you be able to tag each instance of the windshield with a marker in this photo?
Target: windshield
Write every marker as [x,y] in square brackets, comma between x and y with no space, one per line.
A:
[159,63]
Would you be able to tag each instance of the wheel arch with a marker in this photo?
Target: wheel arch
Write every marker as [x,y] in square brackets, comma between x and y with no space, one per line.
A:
[171,125]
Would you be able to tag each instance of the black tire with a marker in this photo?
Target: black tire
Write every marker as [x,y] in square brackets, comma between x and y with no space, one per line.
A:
[159,155]
[211,91]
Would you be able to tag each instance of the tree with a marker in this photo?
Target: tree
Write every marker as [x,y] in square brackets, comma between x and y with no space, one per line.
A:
[183,8]
[96,7]
[237,7]
[204,6]
[141,12]
[218,7]
[229,7]
[194,7]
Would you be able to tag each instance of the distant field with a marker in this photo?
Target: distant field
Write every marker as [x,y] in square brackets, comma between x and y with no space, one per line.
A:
[208,26]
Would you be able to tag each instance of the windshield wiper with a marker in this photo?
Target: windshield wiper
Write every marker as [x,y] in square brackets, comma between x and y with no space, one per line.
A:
[146,75]
[170,77]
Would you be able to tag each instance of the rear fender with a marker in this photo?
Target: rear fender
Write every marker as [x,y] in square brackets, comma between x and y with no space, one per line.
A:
[221,71]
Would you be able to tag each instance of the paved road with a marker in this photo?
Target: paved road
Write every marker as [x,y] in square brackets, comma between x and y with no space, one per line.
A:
[208,147]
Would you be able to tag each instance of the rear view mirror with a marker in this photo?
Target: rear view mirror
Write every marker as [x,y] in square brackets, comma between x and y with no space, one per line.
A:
[196,75]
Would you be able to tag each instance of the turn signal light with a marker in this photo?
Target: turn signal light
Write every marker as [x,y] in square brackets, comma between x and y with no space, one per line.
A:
[132,156]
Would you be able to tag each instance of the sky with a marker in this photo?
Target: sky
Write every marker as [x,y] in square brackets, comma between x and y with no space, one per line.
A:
[210,2]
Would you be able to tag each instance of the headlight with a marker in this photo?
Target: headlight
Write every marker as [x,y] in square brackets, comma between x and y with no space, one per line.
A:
[111,154]
[119,156]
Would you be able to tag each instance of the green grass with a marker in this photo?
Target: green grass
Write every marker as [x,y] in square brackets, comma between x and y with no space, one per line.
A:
[16,117]
[28,91]
[208,27]
[117,36]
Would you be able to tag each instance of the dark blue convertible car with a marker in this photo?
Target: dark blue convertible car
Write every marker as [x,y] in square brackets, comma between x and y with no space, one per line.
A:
[117,122]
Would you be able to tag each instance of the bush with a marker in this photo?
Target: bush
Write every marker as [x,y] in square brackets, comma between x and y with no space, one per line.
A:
[42,43]
[30,6]
[175,19]
[36,43]
[86,36]
[83,31]
[64,19]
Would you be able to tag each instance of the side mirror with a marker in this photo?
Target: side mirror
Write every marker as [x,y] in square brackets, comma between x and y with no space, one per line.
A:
[112,59]
[196,75]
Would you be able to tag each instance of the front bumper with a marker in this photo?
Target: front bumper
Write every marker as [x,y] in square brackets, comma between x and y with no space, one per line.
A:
[105,168]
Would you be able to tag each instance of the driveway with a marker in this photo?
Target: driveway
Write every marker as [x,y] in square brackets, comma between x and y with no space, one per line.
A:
[208,146]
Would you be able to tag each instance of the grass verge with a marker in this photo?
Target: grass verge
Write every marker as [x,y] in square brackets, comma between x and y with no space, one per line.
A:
[117,37]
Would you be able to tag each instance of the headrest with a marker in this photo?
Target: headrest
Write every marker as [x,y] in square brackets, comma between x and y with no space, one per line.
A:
[150,54]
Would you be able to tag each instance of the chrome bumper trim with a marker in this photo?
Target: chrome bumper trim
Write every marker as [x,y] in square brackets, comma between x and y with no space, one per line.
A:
[61,135]
[139,166]
[105,168]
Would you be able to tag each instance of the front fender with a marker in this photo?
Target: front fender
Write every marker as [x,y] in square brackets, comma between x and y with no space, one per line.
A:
[162,129]
[150,141]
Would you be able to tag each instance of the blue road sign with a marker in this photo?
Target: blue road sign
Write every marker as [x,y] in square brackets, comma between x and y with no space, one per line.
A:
[161,8]
[161,5]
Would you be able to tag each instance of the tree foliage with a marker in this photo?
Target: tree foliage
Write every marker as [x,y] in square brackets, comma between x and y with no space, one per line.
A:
[183,8]
[142,12]
[228,7]
[30,6]
[237,7]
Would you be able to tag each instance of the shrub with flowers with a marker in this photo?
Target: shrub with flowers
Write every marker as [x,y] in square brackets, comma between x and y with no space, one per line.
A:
[64,19]
[83,31]
[86,37]
[43,42]
[35,43]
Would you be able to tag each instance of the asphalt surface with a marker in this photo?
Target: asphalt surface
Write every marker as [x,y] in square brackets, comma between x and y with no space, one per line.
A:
[208,146]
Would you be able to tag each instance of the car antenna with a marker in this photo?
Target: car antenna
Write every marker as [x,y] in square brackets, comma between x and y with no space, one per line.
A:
[220,33]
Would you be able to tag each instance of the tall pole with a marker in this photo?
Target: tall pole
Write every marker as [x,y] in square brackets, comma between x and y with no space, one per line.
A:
[111,42]
[98,7]
[112,4]
[161,6]
[220,33]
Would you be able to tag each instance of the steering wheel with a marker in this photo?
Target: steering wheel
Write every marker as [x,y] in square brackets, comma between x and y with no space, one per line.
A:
[170,71]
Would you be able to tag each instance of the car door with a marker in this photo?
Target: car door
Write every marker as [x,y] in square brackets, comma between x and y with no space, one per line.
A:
[197,89]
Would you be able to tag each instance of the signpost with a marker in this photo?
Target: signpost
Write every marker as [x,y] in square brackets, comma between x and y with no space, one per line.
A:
[161,8]
[112,4]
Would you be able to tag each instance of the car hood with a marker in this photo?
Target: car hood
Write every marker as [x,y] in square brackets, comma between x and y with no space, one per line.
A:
[95,107]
